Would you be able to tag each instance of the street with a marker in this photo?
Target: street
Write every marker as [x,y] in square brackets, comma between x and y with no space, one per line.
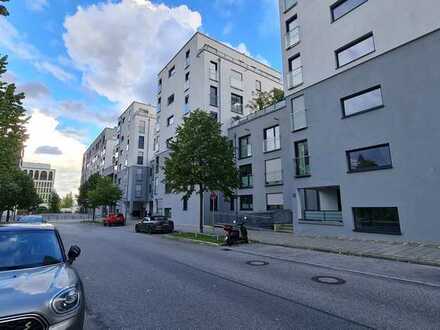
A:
[138,281]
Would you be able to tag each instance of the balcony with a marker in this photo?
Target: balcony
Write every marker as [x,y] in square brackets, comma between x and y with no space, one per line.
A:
[292,37]
[236,83]
[237,108]
[294,78]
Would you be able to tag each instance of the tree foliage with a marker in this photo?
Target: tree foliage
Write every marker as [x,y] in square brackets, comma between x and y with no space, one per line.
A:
[82,198]
[201,159]
[3,10]
[67,201]
[265,99]
[105,193]
[54,203]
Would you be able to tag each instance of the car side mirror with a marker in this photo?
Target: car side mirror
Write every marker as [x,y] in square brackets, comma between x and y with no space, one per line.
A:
[74,253]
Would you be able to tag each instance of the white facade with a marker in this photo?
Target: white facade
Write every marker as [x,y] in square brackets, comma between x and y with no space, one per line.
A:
[44,179]
[188,82]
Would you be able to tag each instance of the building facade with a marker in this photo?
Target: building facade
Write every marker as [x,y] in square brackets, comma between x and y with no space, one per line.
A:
[208,75]
[132,156]
[44,179]
[353,151]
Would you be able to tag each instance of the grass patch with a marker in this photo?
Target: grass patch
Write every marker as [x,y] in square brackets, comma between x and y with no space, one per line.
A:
[200,237]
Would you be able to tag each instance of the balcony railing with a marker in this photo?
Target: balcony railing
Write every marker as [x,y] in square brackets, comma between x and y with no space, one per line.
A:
[271,145]
[302,166]
[289,4]
[292,37]
[237,108]
[323,216]
[294,78]
[246,181]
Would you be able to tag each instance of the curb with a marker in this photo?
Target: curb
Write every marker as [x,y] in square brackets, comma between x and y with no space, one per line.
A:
[190,240]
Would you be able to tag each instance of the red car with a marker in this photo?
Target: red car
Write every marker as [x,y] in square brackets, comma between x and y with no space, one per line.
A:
[114,220]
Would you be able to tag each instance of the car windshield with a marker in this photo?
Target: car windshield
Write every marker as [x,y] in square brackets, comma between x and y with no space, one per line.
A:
[27,249]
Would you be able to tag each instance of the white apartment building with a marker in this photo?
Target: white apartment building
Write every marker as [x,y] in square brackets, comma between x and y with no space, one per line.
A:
[98,158]
[208,75]
[132,156]
[44,179]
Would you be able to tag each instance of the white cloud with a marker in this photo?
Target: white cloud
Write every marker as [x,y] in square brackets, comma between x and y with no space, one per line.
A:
[43,130]
[120,47]
[36,5]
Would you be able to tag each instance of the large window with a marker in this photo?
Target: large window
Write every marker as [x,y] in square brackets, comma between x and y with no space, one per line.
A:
[366,100]
[138,190]
[246,203]
[273,171]
[292,32]
[355,50]
[171,99]
[213,71]
[213,100]
[380,220]
[141,142]
[245,176]
[170,120]
[245,147]
[274,201]
[186,86]
[237,103]
[272,139]
[369,159]
[171,71]
[298,115]
[140,158]
[302,158]
[187,58]
[343,7]
[236,79]
[294,75]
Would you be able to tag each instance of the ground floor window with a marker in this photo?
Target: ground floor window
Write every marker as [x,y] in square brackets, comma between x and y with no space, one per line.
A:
[274,201]
[321,204]
[246,203]
[185,203]
[380,220]
[167,212]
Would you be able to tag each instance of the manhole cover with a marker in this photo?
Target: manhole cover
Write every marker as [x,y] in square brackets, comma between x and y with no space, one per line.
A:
[257,263]
[328,280]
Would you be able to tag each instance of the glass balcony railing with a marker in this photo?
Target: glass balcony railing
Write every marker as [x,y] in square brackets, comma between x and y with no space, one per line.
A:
[289,4]
[294,78]
[323,216]
[246,181]
[292,37]
[302,166]
[299,119]
[270,145]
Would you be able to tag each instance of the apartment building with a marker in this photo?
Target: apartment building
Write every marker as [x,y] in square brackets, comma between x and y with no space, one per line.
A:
[208,75]
[132,156]
[353,152]
[44,179]
[98,158]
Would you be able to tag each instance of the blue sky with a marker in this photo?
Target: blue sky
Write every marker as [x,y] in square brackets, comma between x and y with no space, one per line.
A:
[81,61]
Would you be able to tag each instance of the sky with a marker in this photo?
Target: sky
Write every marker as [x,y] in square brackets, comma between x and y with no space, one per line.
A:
[80,63]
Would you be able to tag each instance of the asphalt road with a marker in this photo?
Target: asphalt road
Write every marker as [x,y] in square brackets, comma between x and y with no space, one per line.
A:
[139,281]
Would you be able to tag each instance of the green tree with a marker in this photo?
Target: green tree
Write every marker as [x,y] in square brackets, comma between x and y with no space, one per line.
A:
[54,203]
[82,198]
[277,95]
[201,160]
[3,10]
[105,193]
[67,201]
[12,123]
[265,99]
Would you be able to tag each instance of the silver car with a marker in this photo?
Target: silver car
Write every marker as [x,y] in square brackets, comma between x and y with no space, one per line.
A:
[38,287]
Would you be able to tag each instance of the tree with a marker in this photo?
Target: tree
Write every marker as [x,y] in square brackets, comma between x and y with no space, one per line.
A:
[54,203]
[12,123]
[67,201]
[201,160]
[3,10]
[105,193]
[90,184]
[265,99]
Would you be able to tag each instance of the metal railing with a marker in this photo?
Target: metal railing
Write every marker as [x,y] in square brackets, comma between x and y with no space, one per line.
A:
[292,37]
[302,166]
[299,119]
[270,145]
[294,78]
[323,216]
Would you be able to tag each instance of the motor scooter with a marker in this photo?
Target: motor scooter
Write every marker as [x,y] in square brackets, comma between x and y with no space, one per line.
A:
[234,235]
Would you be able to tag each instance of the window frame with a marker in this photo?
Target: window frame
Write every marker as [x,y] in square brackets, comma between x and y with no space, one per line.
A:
[141,138]
[351,44]
[170,120]
[337,4]
[252,205]
[277,182]
[379,168]
[248,176]
[375,230]
[265,138]
[292,113]
[240,97]
[268,208]
[211,88]
[365,91]
[296,153]
[170,99]
[247,137]
[291,70]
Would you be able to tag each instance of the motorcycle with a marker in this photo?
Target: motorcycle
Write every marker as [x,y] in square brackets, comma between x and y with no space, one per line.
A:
[234,235]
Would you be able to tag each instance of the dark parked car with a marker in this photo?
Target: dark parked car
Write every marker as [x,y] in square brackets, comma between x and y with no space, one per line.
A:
[38,287]
[155,224]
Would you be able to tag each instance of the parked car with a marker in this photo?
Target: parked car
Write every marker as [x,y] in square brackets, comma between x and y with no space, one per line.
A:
[30,219]
[114,220]
[155,224]
[39,289]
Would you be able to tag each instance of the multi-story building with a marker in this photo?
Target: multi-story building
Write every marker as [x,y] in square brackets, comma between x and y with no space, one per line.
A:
[44,179]
[207,75]
[132,156]
[353,152]
[98,158]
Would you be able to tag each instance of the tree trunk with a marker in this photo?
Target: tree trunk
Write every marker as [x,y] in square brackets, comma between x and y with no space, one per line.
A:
[93,215]
[201,211]
[7,216]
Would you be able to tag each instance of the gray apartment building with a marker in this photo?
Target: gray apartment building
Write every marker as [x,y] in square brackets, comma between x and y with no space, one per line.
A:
[353,151]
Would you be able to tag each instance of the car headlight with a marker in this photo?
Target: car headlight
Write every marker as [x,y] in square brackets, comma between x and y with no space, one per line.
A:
[66,301]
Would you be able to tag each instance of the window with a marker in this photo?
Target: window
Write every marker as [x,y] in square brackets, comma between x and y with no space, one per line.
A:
[159,85]
[186,105]
[272,139]
[236,79]
[170,121]
[186,86]
[159,101]
[187,58]
[185,203]
[168,142]
[273,171]
[170,99]
[138,190]
[302,159]
[274,201]
[140,158]
[244,147]
[369,159]
[237,103]
[167,212]
[168,189]
[232,203]
[156,143]
[298,115]
[139,174]
[292,32]
[258,85]
[141,142]
[380,220]
[245,176]
[246,203]
[171,71]
[156,184]
[343,7]
[213,96]
[294,75]
[289,4]
[214,115]
[213,71]
[364,101]
[157,165]
[355,50]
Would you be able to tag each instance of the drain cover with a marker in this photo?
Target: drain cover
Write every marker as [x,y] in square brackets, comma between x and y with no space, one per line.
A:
[257,263]
[328,280]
